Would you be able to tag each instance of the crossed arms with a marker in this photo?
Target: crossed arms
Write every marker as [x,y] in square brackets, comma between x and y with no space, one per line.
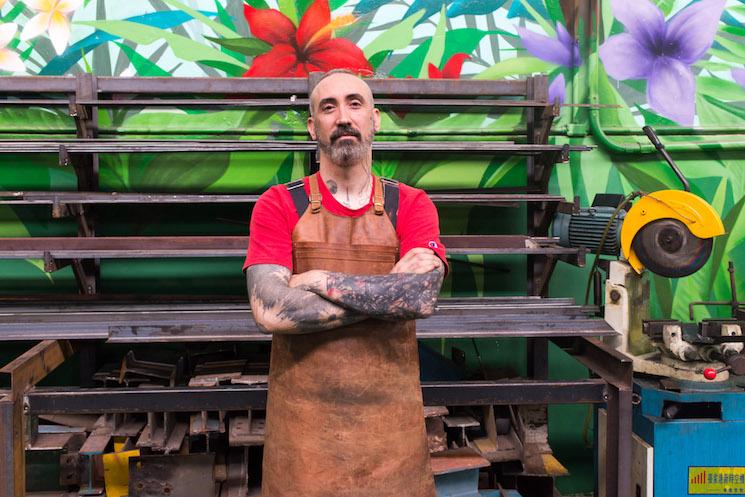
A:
[322,300]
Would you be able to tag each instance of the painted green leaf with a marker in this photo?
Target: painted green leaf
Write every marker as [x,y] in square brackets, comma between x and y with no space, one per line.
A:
[335,4]
[376,59]
[19,120]
[726,55]
[608,95]
[301,6]
[288,8]
[246,46]
[178,172]
[553,7]
[545,25]
[514,66]
[713,66]
[720,88]
[142,65]
[666,6]
[182,47]
[437,47]
[12,226]
[222,14]
[713,111]
[652,119]
[642,176]
[734,30]
[14,12]
[231,70]
[258,4]
[253,171]
[217,27]
[397,37]
[737,49]
[497,170]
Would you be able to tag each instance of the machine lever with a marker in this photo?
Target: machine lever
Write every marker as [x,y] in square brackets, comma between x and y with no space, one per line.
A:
[649,131]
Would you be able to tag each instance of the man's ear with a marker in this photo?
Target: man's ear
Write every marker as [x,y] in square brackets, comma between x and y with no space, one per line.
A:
[376,119]
[311,128]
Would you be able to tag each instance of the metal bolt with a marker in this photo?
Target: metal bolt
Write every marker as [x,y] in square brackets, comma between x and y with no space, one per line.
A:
[615,296]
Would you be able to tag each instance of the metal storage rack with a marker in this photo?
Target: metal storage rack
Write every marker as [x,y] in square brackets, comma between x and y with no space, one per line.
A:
[65,324]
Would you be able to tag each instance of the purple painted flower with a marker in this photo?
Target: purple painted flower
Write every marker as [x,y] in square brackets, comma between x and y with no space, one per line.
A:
[739,76]
[562,50]
[662,52]
[557,89]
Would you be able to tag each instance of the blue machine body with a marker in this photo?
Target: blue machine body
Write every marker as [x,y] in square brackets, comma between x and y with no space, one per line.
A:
[701,456]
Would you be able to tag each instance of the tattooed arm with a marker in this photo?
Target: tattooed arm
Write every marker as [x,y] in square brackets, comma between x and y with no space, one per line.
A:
[408,292]
[277,308]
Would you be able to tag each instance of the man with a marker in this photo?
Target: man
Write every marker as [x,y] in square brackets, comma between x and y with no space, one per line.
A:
[338,286]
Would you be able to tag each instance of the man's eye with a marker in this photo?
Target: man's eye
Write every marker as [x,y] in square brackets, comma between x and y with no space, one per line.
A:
[327,108]
[355,104]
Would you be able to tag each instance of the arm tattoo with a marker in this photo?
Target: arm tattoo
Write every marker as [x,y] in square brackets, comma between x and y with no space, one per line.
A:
[277,308]
[392,296]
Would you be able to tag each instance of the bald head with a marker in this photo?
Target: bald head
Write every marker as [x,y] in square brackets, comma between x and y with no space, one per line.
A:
[344,78]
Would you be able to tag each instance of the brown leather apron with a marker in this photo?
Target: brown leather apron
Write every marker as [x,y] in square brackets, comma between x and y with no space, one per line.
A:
[344,413]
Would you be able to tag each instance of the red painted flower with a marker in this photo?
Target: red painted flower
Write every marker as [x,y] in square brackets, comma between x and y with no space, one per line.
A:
[452,67]
[309,47]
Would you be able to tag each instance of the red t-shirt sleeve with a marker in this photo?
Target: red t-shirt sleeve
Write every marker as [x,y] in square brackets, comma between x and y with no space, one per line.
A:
[270,236]
[418,224]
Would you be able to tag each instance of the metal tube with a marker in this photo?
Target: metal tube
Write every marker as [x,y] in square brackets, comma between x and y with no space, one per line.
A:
[239,397]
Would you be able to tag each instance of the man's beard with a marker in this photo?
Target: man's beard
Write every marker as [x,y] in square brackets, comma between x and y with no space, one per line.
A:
[346,153]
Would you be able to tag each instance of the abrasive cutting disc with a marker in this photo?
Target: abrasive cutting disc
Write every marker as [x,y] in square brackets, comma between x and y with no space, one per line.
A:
[666,247]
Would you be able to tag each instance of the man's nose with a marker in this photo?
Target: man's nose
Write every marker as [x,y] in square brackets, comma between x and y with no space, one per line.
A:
[343,115]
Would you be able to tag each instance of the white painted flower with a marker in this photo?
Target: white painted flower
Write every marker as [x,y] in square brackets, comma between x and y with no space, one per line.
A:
[9,60]
[52,17]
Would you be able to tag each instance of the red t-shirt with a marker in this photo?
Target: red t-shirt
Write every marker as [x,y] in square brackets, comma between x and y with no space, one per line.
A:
[274,217]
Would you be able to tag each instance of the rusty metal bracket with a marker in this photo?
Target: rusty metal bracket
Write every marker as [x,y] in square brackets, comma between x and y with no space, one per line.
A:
[64,156]
[25,371]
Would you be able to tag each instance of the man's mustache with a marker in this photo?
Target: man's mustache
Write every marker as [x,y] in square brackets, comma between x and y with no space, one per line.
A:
[345,130]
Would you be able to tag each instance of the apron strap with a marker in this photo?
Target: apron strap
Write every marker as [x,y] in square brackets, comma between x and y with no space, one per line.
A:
[299,198]
[390,194]
[378,197]
[315,194]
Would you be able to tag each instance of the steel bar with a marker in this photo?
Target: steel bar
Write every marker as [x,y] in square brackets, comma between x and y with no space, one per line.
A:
[299,86]
[270,102]
[605,361]
[99,145]
[235,246]
[190,323]
[233,398]
[7,456]
[62,197]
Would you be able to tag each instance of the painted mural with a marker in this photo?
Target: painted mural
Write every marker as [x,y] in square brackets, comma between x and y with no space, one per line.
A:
[676,64]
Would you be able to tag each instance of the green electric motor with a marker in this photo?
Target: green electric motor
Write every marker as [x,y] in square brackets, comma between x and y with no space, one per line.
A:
[586,228]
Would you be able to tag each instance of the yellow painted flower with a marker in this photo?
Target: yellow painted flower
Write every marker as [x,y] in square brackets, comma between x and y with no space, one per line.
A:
[9,60]
[52,17]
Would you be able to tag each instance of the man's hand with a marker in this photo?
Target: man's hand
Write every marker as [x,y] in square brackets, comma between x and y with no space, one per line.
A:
[279,308]
[418,261]
[310,281]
